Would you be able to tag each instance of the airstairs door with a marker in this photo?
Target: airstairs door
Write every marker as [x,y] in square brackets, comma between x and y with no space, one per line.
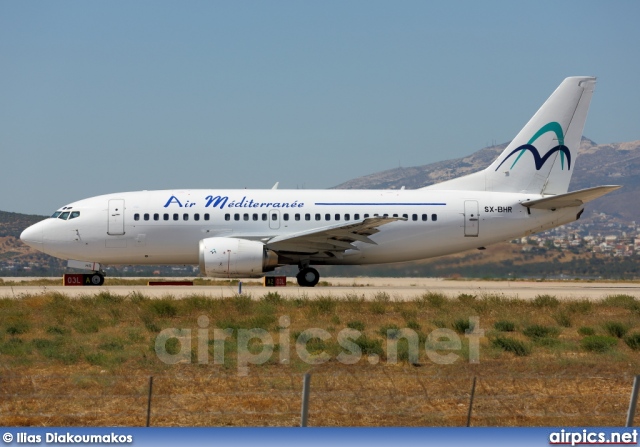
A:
[116,217]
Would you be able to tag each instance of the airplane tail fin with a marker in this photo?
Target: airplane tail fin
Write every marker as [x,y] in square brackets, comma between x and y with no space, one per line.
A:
[541,158]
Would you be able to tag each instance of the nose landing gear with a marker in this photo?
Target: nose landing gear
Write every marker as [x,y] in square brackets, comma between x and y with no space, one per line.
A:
[97,279]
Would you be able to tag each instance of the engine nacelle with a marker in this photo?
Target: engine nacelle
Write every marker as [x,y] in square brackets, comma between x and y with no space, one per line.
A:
[225,257]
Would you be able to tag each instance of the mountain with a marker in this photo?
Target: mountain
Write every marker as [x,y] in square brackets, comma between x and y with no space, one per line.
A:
[604,164]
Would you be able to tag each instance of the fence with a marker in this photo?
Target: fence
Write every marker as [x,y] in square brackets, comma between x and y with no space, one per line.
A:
[381,396]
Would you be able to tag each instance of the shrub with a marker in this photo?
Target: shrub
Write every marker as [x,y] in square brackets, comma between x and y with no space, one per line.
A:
[615,329]
[537,331]
[633,341]
[377,307]
[434,299]
[163,308]
[580,307]
[273,298]
[57,330]
[413,325]
[624,301]
[466,299]
[382,297]
[390,331]
[585,330]
[17,327]
[511,345]
[563,319]
[504,326]
[369,346]
[598,343]
[357,325]
[324,304]
[461,325]
[546,301]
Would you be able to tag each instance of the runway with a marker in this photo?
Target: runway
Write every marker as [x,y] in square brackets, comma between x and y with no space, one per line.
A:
[368,288]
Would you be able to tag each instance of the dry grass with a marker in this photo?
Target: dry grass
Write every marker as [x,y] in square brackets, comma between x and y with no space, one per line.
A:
[87,362]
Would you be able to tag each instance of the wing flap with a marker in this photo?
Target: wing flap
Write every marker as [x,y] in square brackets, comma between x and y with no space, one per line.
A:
[333,238]
[570,199]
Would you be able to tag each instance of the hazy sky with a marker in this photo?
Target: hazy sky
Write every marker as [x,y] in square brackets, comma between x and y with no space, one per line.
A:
[99,97]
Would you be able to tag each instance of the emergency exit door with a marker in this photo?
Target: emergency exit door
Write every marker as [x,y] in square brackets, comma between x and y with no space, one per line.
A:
[471,218]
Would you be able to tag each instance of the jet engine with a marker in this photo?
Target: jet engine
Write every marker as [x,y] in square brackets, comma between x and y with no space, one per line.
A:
[225,257]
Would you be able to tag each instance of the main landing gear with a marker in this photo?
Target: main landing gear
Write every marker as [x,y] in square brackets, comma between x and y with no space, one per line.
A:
[307,277]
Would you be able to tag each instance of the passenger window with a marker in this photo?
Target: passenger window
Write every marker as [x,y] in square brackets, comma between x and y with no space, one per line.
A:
[274,216]
[255,216]
[318,217]
[434,217]
[406,216]
[166,216]
[307,216]
[414,217]
[226,216]
[297,217]
[196,216]
[74,214]
[264,217]
[246,216]
[185,216]
[236,216]
[327,217]
[347,217]
[337,216]
[366,216]
[206,216]
[356,216]
[176,217]
[136,216]
[156,216]
[146,216]
[285,216]
[385,215]
[395,215]
[424,217]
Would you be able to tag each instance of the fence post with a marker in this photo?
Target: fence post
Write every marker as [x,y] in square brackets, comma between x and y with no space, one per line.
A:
[306,384]
[473,393]
[149,400]
[239,287]
[633,401]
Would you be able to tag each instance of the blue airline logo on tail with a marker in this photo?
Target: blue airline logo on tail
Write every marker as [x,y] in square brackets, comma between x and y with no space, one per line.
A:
[541,160]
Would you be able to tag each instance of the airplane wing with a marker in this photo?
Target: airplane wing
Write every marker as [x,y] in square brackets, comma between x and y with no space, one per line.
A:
[335,239]
[575,198]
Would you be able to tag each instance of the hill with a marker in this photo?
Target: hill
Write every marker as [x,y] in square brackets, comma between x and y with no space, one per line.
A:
[604,164]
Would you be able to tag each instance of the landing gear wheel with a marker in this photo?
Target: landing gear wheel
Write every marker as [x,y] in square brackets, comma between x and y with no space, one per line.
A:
[308,277]
[97,279]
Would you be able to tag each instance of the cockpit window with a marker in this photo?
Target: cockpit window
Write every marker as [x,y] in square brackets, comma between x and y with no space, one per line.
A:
[74,214]
[64,215]
[56,214]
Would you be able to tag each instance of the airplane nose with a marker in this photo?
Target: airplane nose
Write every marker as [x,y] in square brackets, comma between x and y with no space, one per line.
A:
[32,236]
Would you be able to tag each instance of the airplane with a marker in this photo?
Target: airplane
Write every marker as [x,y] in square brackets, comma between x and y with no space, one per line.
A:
[247,233]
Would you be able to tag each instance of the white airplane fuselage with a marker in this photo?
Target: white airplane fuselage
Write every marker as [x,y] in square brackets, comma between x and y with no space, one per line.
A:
[165,227]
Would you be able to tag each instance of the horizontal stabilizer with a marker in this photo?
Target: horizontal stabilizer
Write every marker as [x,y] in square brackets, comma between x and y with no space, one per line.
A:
[575,198]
